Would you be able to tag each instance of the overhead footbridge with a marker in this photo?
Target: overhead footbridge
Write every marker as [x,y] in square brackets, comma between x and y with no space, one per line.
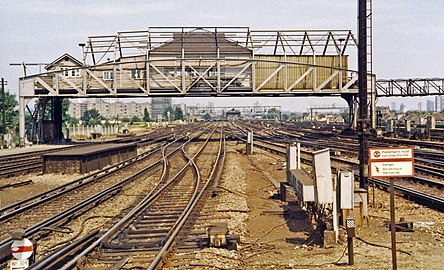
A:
[202,61]
[205,62]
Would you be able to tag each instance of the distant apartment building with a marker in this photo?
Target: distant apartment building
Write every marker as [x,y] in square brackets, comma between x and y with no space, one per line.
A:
[430,106]
[108,109]
[158,106]
[393,106]
[402,108]
[439,103]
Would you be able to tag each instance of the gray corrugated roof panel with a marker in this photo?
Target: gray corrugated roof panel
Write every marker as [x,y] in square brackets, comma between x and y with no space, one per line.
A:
[91,149]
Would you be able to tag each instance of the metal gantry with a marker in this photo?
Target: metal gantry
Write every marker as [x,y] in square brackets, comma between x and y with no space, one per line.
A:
[410,87]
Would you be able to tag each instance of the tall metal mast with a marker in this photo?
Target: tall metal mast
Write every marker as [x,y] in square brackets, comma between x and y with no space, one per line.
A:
[363,125]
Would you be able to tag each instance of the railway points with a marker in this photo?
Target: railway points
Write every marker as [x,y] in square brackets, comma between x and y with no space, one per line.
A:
[145,217]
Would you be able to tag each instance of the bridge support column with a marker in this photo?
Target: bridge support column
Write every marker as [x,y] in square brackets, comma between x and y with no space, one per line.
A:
[352,110]
[57,119]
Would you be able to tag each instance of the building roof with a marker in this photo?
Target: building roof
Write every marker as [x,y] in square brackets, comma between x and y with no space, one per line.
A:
[200,43]
[438,116]
[65,57]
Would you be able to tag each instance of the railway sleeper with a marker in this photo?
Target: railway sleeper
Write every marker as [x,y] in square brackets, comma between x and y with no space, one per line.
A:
[146,231]
[150,226]
[131,235]
[157,219]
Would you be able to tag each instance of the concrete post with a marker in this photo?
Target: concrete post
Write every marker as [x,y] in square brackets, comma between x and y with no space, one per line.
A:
[298,146]
[22,120]
[291,157]
[250,143]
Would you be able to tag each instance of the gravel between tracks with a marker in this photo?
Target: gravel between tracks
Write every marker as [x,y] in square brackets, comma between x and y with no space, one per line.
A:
[268,242]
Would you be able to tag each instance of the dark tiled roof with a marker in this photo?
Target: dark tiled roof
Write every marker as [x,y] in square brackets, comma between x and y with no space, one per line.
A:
[200,43]
[66,55]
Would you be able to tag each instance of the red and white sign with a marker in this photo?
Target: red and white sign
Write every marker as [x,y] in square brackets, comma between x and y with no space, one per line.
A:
[390,153]
[22,249]
[391,162]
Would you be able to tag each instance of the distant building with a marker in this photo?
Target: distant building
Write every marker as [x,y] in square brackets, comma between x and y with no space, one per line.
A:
[108,109]
[420,106]
[158,106]
[402,108]
[439,103]
[393,106]
[430,106]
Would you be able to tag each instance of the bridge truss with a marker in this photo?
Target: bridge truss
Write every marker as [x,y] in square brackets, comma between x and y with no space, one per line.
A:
[202,61]
[410,87]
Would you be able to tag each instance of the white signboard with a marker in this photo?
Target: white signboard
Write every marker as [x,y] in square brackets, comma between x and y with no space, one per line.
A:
[390,153]
[391,162]
[19,264]
[346,190]
[324,182]
[391,169]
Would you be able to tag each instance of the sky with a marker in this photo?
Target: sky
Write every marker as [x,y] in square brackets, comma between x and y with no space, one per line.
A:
[408,35]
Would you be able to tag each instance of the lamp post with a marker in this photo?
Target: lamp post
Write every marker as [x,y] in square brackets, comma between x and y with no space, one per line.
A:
[3,109]
[83,53]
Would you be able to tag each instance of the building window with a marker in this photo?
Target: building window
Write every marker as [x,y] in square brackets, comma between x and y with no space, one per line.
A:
[136,74]
[75,73]
[68,72]
[108,75]
[65,71]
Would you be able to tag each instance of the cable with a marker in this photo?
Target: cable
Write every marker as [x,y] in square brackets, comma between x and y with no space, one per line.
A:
[378,245]
[82,227]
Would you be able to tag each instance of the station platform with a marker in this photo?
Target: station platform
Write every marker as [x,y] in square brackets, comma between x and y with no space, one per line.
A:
[28,149]
[89,158]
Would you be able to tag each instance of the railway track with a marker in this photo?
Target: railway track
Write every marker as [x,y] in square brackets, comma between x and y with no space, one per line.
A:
[418,196]
[61,203]
[24,163]
[141,238]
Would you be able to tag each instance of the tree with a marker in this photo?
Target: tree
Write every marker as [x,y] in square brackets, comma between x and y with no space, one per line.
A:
[344,116]
[146,115]
[126,120]
[71,121]
[207,116]
[91,117]
[168,114]
[66,118]
[11,112]
[178,113]
[285,117]
[273,113]
[135,118]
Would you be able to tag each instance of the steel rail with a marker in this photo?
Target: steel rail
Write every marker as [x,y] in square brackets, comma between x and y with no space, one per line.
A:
[191,207]
[134,211]
[22,205]
[51,261]
[418,196]
[59,255]
[4,245]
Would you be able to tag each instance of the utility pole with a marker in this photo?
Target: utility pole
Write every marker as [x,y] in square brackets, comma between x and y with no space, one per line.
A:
[363,128]
[3,108]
